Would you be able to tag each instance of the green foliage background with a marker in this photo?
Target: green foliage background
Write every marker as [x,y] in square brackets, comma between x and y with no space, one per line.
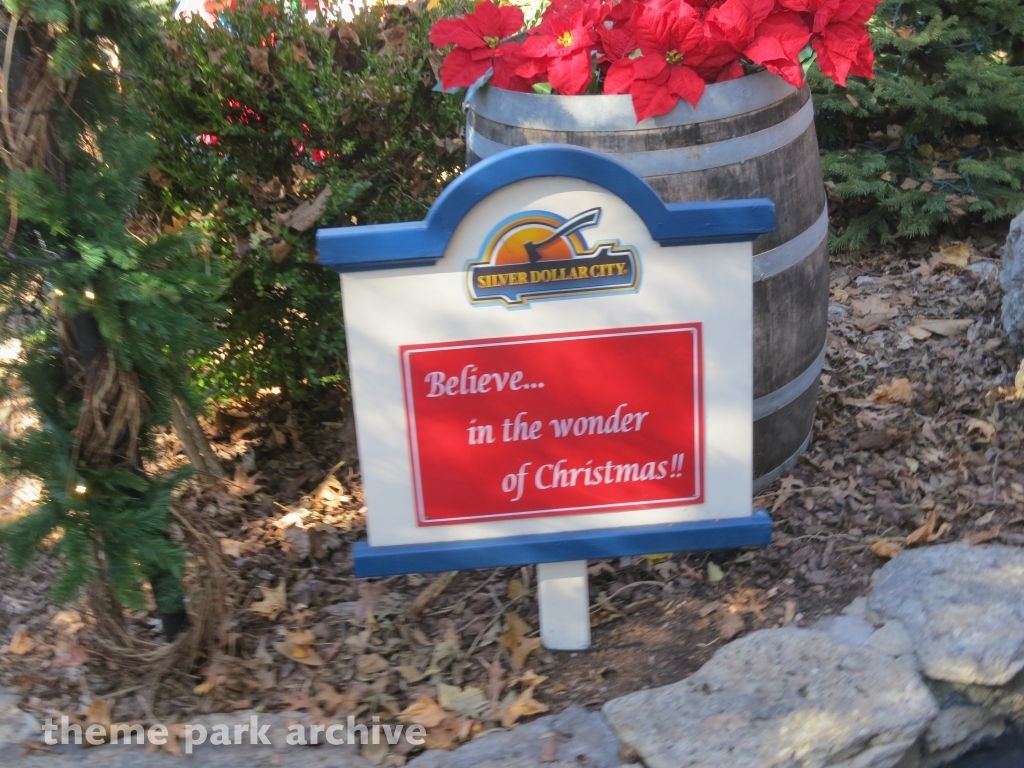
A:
[937,139]
[76,252]
[273,87]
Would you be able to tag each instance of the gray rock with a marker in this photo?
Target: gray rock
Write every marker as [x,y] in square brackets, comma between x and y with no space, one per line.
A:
[892,639]
[962,608]
[1012,280]
[956,730]
[780,698]
[584,738]
[16,726]
[1003,700]
[858,608]
[851,630]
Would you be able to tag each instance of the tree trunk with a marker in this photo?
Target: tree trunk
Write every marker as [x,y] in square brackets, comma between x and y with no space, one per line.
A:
[193,440]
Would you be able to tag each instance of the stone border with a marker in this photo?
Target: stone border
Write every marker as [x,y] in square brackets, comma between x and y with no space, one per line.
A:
[924,668]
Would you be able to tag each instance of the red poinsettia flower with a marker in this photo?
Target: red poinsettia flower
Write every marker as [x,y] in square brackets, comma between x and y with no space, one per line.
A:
[736,21]
[613,37]
[668,32]
[560,46]
[477,39]
[844,49]
[777,45]
[507,69]
[840,38]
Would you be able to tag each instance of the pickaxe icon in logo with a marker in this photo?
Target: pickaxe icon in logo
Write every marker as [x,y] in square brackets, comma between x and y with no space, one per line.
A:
[575,224]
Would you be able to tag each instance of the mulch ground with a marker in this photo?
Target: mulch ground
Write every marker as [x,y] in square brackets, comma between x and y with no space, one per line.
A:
[917,441]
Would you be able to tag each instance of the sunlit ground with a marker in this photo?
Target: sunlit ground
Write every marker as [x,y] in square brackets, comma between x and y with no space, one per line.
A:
[17,495]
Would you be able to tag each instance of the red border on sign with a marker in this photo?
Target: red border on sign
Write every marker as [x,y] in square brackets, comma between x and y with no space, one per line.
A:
[697,498]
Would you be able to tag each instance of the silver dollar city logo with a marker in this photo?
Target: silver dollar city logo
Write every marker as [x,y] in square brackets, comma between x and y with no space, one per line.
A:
[538,254]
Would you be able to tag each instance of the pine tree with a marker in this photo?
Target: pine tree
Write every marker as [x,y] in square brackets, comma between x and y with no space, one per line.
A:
[108,318]
[937,138]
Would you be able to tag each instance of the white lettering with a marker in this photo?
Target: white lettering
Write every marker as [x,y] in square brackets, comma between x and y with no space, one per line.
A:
[436,381]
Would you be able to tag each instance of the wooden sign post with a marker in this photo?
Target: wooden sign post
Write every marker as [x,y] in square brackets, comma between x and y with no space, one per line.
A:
[554,366]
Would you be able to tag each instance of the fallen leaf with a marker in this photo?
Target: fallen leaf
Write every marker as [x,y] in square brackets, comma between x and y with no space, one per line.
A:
[274,602]
[524,705]
[22,643]
[515,589]
[468,702]
[279,251]
[242,484]
[159,178]
[67,622]
[306,214]
[515,639]
[909,183]
[69,654]
[715,573]
[411,674]
[730,625]
[982,536]
[449,733]
[919,333]
[299,56]
[98,711]
[896,391]
[945,327]
[370,664]
[430,593]
[872,312]
[300,544]
[987,429]
[259,58]
[790,612]
[301,653]
[956,254]
[526,647]
[886,549]
[424,711]
[517,630]
[233,548]
[927,533]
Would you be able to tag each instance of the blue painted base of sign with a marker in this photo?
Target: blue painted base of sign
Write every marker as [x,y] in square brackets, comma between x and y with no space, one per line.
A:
[703,535]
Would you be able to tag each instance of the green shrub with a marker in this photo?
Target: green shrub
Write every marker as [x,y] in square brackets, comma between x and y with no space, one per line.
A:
[277,90]
[938,137]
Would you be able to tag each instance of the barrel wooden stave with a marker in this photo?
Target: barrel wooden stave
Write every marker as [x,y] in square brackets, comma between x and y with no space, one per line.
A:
[718,158]
[794,298]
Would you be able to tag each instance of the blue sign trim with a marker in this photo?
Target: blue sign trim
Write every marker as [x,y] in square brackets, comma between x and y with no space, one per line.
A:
[413,244]
[753,531]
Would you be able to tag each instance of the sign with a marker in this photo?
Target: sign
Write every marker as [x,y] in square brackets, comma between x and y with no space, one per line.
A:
[558,424]
[553,366]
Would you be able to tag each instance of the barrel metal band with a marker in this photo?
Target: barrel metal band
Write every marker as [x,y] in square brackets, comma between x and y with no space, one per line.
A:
[787,393]
[663,162]
[791,252]
[615,113]
[770,477]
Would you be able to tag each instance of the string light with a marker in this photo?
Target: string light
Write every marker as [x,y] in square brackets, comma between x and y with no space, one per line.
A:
[80,488]
[58,292]
[90,295]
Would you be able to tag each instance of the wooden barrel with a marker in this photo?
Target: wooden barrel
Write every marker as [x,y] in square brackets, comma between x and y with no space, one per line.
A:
[752,137]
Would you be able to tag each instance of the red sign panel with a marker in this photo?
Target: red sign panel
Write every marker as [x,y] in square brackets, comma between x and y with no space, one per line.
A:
[561,424]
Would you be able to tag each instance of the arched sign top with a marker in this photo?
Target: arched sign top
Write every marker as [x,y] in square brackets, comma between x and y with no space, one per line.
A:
[421,243]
